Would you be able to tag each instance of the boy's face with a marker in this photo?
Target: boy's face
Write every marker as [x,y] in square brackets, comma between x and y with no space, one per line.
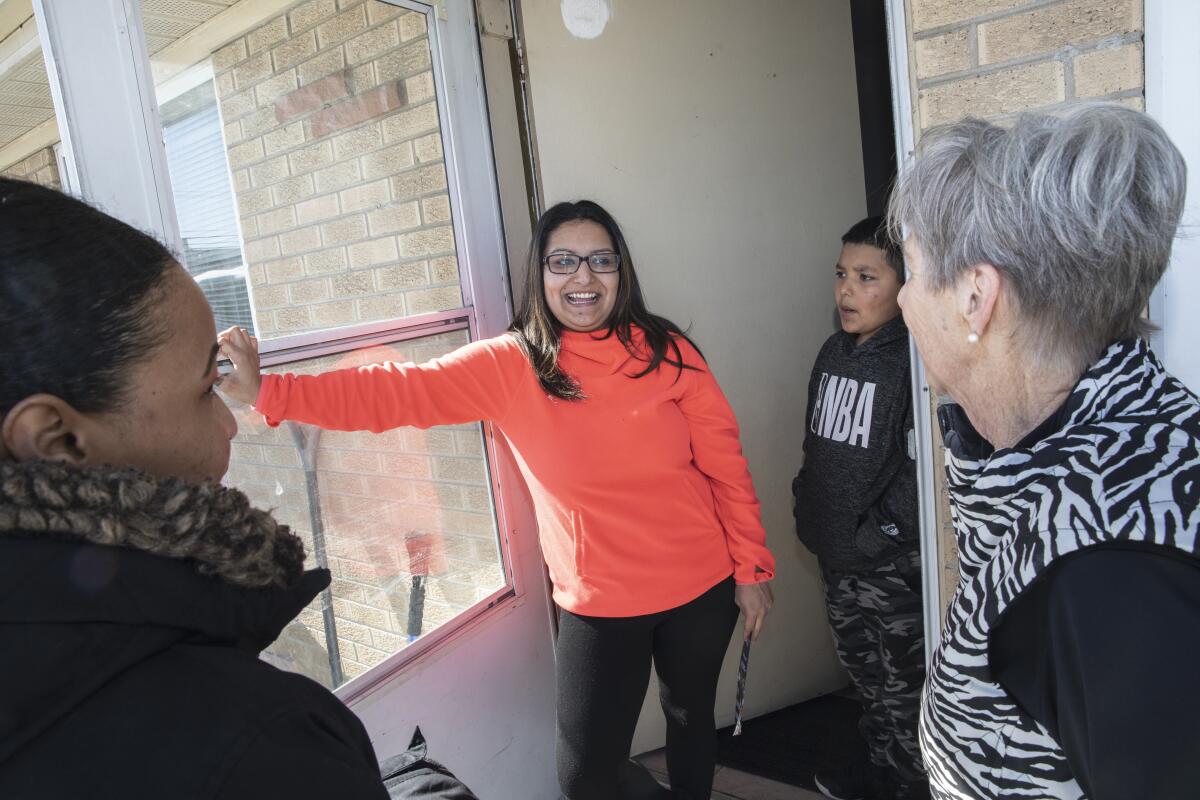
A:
[865,289]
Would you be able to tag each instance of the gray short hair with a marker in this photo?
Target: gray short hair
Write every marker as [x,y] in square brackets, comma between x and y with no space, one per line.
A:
[1078,211]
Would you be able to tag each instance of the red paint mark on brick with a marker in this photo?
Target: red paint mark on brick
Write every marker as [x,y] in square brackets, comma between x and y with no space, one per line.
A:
[313,96]
[357,110]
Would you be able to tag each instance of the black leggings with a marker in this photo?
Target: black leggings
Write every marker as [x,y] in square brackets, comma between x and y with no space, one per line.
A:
[603,671]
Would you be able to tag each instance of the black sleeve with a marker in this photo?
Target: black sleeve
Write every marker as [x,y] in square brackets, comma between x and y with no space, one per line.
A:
[307,755]
[1103,651]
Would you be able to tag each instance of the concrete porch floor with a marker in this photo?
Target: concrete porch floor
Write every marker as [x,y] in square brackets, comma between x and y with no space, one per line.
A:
[732,784]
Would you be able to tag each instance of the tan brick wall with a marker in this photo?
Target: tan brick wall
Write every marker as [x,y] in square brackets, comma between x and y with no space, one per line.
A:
[40,168]
[334,142]
[393,504]
[996,58]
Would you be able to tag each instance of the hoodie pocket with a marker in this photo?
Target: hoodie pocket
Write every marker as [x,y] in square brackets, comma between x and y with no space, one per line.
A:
[579,542]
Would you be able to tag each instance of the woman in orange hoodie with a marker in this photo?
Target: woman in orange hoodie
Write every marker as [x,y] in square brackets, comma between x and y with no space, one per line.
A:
[648,519]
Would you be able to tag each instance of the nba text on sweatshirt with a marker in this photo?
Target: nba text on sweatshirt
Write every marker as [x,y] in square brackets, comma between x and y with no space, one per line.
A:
[856,495]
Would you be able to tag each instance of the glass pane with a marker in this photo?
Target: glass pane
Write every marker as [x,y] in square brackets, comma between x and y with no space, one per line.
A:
[405,521]
[333,141]
[204,203]
[25,104]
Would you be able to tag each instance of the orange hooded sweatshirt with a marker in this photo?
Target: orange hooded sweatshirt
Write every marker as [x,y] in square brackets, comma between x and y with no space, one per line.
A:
[642,495]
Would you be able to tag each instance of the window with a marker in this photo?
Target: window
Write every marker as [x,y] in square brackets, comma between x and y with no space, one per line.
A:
[314,207]
[333,135]
[404,520]
[204,203]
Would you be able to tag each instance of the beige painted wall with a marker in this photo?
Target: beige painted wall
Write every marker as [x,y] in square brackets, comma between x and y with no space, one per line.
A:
[725,140]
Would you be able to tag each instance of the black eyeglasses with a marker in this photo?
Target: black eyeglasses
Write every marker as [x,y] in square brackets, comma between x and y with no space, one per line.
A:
[568,263]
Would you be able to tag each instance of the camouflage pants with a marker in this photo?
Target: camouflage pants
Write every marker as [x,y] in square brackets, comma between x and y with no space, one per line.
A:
[877,627]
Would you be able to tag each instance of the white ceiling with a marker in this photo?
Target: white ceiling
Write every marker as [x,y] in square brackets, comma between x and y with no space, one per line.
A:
[25,91]
[24,98]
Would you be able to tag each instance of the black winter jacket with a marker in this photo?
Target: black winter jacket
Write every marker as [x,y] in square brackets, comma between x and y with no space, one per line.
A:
[856,494]
[132,613]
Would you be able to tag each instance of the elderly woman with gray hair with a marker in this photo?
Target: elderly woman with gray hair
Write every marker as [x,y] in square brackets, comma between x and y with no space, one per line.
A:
[1067,662]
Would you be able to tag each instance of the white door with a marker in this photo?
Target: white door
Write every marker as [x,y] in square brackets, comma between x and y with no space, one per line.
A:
[1171,64]
[325,172]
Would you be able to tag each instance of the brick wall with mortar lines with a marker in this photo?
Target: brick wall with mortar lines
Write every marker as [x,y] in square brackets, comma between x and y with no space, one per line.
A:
[378,494]
[334,144]
[996,58]
[40,168]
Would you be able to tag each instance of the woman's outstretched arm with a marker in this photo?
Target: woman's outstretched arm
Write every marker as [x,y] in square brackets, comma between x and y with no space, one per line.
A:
[475,382]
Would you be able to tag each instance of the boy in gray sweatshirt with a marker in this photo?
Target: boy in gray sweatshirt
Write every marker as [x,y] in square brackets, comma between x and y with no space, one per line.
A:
[856,510]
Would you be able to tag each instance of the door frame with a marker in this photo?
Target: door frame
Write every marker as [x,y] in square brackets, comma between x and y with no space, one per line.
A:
[1172,63]
[922,396]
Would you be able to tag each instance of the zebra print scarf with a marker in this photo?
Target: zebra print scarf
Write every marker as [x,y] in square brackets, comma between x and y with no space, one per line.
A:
[1125,466]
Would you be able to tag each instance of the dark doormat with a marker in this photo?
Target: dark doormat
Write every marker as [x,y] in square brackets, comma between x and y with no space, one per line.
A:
[791,744]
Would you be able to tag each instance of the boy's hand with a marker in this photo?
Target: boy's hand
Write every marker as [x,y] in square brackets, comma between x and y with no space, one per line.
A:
[755,600]
[243,381]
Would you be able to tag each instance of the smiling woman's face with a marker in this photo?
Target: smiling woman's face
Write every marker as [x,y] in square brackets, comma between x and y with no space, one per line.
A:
[173,423]
[583,300]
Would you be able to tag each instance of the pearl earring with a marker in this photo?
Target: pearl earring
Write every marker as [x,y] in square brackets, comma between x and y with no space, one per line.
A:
[972,337]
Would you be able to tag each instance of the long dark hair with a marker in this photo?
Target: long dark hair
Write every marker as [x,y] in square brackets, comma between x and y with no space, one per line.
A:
[537,329]
[76,287]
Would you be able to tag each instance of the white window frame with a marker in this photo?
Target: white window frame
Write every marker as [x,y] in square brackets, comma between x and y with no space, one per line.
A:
[922,396]
[108,122]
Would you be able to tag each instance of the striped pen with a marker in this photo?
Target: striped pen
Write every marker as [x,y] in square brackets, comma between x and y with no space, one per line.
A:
[741,689]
